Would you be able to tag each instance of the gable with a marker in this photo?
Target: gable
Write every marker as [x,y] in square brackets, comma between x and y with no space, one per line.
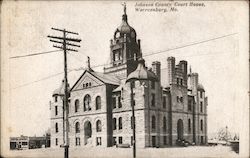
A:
[86,80]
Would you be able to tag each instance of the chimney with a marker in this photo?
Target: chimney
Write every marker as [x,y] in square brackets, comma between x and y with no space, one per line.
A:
[156,68]
[183,65]
[171,69]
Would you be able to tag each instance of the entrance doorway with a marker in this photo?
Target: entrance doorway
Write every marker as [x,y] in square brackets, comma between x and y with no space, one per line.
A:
[180,129]
[87,133]
[153,141]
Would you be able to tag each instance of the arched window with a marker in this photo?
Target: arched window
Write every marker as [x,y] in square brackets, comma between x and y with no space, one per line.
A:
[164,124]
[201,125]
[98,126]
[98,102]
[189,125]
[76,105]
[86,103]
[153,122]
[120,122]
[77,127]
[56,127]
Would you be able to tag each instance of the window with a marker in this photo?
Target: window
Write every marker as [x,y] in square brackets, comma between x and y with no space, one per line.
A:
[119,102]
[153,99]
[153,122]
[98,102]
[77,127]
[201,94]
[56,127]
[76,105]
[181,99]
[86,102]
[152,84]
[98,126]
[98,141]
[189,105]
[131,121]
[177,98]
[56,110]
[164,103]
[24,143]
[165,140]
[132,140]
[55,98]
[78,143]
[114,140]
[56,141]
[120,122]
[201,125]
[177,80]
[189,125]
[164,124]
[114,102]
[201,106]
[114,123]
[120,140]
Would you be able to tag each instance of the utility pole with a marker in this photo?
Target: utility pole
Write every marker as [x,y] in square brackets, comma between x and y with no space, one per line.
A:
[65,43]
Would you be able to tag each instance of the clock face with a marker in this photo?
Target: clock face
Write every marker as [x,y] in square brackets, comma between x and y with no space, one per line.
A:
[133,34]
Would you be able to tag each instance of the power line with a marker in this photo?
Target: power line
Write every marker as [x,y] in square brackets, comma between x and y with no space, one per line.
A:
[28,55]
[195,43]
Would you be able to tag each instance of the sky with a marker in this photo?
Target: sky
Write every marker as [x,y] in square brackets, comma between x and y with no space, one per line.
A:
[221,63]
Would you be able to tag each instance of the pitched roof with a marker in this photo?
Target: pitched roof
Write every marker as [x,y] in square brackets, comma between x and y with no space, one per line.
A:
[105,78]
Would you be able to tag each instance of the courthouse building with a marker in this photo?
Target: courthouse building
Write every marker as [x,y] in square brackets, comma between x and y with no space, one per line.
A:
[100,102]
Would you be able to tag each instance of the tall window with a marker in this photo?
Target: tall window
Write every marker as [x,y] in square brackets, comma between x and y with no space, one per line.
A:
[114,102]
[201,94]
[76,105]
[86,102]
[201,106]
[98,102]
[165,140]
[120,140]
[189,125]
[56,127]
[134,99]
[164,124]
[56,110]
[181,82]
[77,127]
[164,101]
[119,102]
[98,141]
[201,125]
[55,98]
[153,122]
[189,105]
[78,143]
[98,126]
[120,122]
[114,123]
[56,141]
[153,99]
[131,122]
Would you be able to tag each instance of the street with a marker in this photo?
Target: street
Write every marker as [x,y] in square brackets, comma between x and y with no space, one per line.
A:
[192,152]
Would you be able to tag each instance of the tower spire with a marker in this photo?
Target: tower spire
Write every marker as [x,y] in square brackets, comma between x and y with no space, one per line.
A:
[124,16]
[88,64]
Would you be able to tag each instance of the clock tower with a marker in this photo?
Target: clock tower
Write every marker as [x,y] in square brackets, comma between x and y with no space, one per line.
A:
[124,50]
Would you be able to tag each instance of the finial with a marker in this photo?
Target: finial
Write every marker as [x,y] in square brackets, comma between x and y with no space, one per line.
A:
[88,62]
[124,5]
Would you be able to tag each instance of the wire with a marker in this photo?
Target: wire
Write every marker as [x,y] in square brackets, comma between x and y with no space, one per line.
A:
[81,68]
[28,55]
